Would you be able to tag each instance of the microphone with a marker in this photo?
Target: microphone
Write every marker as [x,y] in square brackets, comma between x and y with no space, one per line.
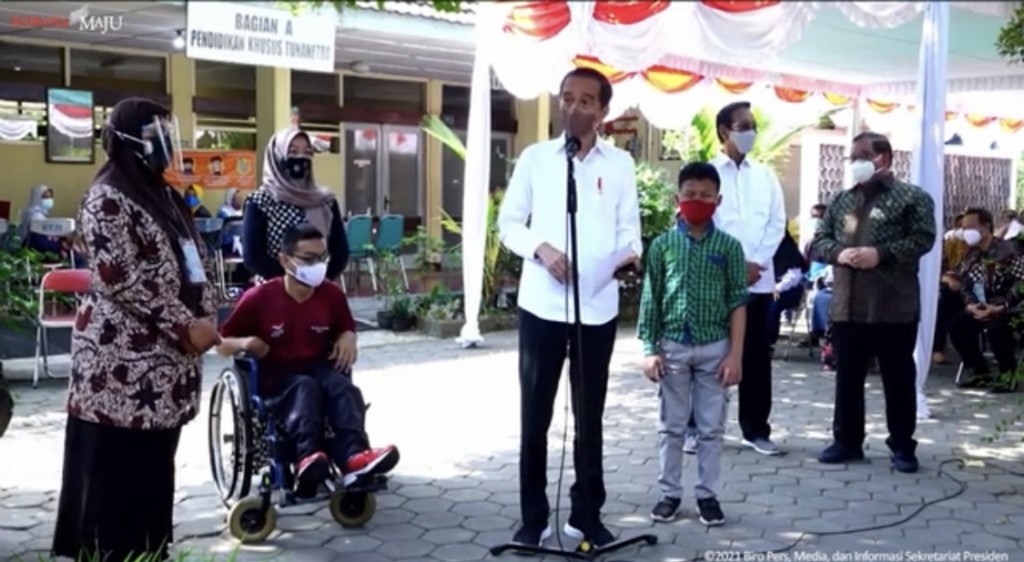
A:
[572,146]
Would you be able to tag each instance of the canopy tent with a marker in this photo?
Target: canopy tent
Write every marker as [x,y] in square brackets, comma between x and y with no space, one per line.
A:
[662,53]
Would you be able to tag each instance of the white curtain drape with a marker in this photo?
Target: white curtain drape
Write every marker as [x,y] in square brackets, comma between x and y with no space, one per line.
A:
[74,127]
[16,128]
[476,189]
[928,171]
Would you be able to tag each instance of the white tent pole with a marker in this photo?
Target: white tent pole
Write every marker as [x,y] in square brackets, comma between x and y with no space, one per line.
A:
[928,171]
[476,190]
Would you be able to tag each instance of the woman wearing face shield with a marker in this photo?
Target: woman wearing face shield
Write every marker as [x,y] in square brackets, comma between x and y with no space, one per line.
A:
[136,348]
[289,196]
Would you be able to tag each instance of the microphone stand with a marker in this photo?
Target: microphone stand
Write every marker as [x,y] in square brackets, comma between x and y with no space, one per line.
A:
[586,550]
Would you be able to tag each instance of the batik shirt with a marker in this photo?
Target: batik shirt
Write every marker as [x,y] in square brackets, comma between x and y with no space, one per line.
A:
[996,272]
[129,365]
[898,220]
[691,286]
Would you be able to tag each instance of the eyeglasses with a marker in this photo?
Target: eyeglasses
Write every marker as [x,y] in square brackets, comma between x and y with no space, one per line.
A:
[311,260]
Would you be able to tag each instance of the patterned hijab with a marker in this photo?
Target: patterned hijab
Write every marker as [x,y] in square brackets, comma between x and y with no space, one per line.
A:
[305,194]
[126,172]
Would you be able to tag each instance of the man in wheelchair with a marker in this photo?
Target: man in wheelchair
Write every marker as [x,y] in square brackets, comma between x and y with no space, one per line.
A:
[302,334]
[992,276]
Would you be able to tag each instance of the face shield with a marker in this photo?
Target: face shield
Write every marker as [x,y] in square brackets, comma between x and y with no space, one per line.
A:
[164,140]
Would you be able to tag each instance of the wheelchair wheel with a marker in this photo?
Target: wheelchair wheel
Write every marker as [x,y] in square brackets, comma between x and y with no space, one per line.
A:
[231,439]
[249,522]
[353,509]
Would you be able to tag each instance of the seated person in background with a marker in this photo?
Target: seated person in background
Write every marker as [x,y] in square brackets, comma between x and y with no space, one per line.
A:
[53,248]
[231,244]
[194,200]
[302,333]
[789,266]
[1010,226]
[992,275]
[955,233]
[232,207]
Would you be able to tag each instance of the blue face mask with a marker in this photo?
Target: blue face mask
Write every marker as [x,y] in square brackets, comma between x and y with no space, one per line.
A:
[46,203]
[191,201]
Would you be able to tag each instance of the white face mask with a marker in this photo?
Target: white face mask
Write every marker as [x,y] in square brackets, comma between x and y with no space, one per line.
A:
[743,140]
[861,171]
[972,237]
[312,275]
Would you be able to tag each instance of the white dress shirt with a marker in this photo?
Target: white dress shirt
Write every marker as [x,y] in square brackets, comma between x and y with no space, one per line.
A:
[753,212]
[533,212]
[790,280]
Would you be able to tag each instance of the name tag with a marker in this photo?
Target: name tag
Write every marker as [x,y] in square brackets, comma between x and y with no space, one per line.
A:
[193,263]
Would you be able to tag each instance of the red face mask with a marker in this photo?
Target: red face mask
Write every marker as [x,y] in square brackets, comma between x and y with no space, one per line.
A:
[697,212]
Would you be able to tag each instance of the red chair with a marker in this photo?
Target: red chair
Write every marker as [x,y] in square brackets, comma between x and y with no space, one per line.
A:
[74,282]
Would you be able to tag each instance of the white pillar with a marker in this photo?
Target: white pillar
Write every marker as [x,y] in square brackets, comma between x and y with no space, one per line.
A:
[927,171]
[476,191]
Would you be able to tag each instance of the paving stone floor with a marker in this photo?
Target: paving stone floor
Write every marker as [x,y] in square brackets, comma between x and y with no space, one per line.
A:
[454,414]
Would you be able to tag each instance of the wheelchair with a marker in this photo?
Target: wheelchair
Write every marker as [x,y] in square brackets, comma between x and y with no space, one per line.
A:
[257,447]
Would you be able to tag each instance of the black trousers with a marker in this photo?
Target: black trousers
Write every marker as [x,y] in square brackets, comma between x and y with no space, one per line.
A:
[965,333]
[951,304]
[755,389]
[893,344]
[303,402]
[543,346]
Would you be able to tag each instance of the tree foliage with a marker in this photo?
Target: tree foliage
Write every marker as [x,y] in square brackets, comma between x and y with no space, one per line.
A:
[1010,43]
[340,5]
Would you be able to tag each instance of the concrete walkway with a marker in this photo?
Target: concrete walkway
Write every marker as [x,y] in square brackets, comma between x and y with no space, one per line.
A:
[454,413]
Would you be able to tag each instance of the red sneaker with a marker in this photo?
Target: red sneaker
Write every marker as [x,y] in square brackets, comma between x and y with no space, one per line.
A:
[373,461]
[310,472]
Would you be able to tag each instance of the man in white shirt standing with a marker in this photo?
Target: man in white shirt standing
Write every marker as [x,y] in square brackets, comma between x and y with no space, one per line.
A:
[752,211]
[533,223]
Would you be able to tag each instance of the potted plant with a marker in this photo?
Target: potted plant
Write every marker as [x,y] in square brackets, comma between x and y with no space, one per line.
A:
[19,270]
[397,312]
[402,318]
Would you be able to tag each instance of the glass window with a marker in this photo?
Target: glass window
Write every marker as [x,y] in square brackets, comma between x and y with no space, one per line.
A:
[102,70]
[455,104]
[362,160]
[225,81]
[453,169]
[403,155]
[31,64]
[225,140]
[384,94]
[315,88]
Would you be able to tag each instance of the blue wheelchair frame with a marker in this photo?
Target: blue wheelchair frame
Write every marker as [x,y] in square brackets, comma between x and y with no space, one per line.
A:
[352,505]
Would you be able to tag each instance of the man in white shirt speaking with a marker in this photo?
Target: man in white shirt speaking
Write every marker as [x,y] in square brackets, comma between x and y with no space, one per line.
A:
[753,212]
[533,223]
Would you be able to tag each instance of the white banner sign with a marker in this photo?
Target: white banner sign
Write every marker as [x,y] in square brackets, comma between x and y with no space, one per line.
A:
[245,34]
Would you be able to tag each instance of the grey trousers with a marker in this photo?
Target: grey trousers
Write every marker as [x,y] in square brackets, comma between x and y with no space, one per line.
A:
[690,383]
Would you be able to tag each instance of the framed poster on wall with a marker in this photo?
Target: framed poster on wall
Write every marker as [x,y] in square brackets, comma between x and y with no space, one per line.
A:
[69,126]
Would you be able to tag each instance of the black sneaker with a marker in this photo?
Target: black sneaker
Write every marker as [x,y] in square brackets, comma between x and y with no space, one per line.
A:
[710,512]
[531,535]
[837,453]
[979,378]
[600,536]
[904,461]
[666,509]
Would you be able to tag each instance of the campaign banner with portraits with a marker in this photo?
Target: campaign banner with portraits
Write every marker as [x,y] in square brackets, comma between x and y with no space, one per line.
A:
[215,169]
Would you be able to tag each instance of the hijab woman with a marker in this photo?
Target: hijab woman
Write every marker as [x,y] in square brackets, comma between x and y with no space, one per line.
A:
[289,196]
[136,348]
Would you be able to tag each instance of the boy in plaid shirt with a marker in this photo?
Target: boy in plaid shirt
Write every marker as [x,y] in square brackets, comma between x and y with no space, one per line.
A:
[692,321]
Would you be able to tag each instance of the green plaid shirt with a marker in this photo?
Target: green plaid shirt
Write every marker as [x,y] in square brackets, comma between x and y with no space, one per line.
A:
[897,219]
[690,288]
